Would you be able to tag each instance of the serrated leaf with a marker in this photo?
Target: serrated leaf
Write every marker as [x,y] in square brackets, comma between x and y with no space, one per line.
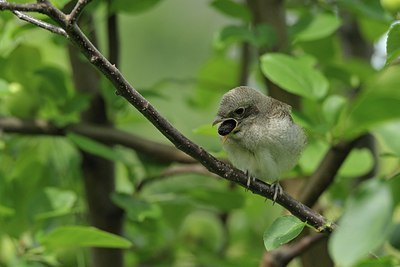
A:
[364,225]
[393,43]
[82,236]
[294,75]
[281,231]
[232,9]
[320,26]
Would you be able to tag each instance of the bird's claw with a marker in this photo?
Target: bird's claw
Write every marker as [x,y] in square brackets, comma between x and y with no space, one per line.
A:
[249,178]
[278,190]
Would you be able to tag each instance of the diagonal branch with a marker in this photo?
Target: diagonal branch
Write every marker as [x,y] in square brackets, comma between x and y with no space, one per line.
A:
[214,165]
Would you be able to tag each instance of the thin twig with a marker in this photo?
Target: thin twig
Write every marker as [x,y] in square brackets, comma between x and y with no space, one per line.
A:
[31,8]
[76,11]
[107,135]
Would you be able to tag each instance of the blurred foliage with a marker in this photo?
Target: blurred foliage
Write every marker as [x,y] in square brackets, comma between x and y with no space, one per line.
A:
[183,56]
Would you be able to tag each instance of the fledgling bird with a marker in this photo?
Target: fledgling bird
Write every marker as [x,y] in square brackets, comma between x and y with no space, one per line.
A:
[259,135]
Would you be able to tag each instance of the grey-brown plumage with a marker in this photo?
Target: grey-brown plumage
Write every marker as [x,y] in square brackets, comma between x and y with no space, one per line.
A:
[259,134]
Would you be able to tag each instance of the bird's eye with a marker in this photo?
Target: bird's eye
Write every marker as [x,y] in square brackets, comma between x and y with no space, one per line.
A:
[239,111]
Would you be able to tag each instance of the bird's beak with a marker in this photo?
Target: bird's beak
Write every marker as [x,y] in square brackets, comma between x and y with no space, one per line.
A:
[217,120]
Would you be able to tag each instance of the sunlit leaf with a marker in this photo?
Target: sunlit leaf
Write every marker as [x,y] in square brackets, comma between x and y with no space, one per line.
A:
[359,162]
[281,231]
[393,43]
[389,132]
[332,107]
[294,75]
[318,27]
[364,225]
[82,236]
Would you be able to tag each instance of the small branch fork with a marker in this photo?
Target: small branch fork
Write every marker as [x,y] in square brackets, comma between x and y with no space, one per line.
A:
[224,170]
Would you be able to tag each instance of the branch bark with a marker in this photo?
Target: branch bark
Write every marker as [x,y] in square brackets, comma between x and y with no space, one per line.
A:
[178,139]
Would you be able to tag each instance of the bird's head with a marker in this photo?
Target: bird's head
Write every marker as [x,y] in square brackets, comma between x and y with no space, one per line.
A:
[238,109]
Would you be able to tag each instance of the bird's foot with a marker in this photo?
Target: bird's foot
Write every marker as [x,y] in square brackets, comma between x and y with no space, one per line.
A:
[249,179]
[278,190]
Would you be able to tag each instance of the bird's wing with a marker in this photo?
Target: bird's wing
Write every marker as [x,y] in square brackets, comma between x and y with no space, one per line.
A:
[279,109]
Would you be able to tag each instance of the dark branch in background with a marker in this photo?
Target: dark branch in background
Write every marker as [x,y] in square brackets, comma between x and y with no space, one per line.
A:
[112,36]
[32,20]
[245,59]
[98,172]
[107,135]
[178,139]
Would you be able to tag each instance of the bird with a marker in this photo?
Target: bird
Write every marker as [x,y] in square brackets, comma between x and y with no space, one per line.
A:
[259,135]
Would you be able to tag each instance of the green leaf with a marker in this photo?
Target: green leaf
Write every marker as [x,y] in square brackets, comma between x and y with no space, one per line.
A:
[4,87]
[377,104]
[236,33]
[53,83]
[6,211]
[393,43]
[261,35]
[364,225]
[232,9]
[332,108]
[94,147]
[136,209]
[381,261]
[133,6]
[294,75]
[60,199]
[395,237]
[281,231]
[82,236]
[207,130]
[359,162]
[368,9]
[389,133]
[320,26]
[220,199]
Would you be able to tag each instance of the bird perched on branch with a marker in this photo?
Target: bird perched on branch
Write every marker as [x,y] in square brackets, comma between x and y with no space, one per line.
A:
[259,135]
